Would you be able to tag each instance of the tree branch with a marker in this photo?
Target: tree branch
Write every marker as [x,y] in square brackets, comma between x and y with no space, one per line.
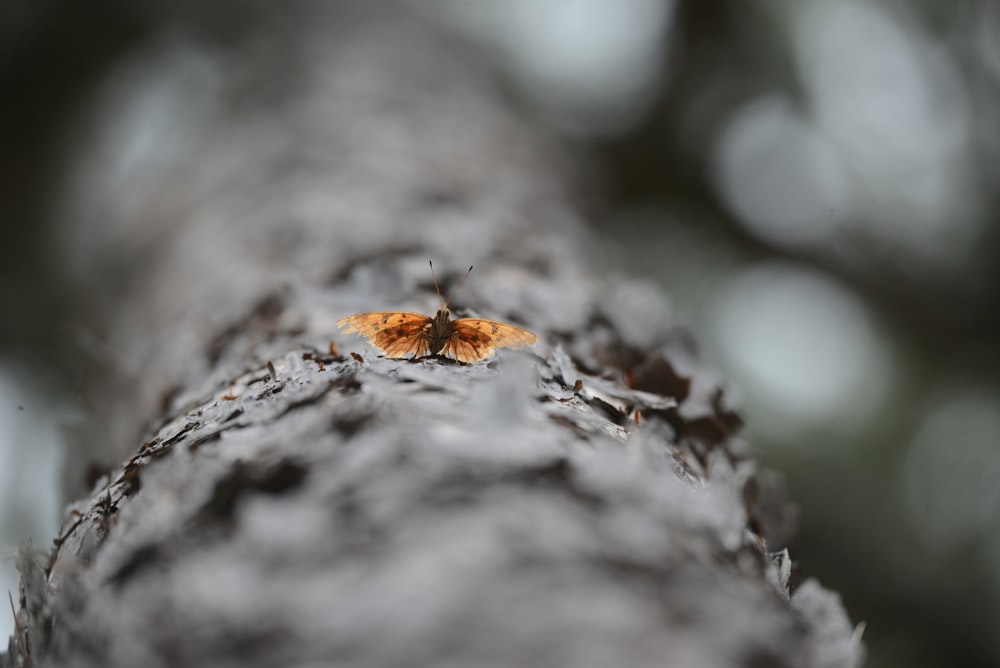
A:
[586,503]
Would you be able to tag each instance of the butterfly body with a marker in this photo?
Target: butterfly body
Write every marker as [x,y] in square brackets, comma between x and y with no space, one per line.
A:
[403,333]
[439,331]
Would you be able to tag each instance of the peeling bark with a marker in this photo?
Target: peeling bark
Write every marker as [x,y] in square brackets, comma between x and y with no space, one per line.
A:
[288,501]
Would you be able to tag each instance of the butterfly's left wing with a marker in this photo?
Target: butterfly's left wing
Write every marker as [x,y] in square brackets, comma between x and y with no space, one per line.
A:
[397,333]
[475,339]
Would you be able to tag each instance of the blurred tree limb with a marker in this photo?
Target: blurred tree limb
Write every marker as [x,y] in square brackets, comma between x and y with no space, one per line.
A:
[282,502]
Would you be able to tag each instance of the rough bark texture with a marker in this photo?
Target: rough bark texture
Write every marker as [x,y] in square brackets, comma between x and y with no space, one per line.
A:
[582,504]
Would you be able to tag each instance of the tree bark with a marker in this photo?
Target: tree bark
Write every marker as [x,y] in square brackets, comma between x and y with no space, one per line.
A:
[288,501]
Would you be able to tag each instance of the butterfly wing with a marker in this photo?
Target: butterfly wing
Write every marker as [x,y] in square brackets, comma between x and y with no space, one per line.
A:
[396,333]
[475,339]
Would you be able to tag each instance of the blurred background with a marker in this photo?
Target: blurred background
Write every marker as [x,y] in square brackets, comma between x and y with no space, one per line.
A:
[813,182]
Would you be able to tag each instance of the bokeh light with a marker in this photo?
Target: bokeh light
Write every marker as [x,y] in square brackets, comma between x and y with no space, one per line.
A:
[590,66]
[951,471]
[782,178]
[892,101]
[32,417]
[807,354]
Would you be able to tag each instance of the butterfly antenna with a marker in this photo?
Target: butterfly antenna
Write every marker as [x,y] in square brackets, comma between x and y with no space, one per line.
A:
[431,263]
[458,286]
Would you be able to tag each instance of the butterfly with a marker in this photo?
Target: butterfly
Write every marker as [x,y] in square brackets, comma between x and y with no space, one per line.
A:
[402,333]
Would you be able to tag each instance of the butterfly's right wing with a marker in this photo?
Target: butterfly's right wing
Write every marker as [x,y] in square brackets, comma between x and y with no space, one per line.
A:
[475,339]
[397,333]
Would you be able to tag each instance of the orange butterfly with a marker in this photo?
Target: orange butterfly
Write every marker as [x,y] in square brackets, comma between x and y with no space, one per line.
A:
[401,333]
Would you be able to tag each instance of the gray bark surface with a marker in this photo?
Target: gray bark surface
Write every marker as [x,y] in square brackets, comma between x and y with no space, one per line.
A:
[282,502]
